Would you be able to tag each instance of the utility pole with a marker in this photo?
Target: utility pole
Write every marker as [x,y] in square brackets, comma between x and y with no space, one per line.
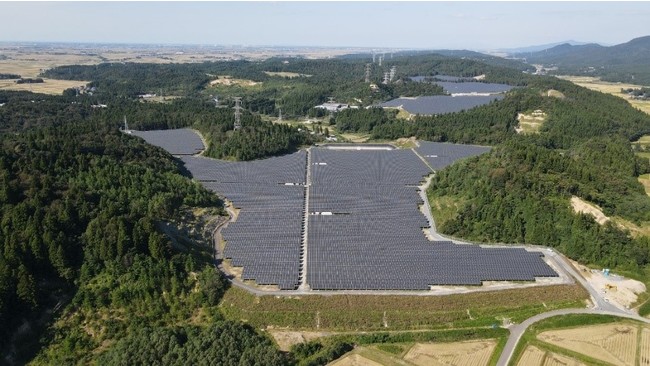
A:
[368,66]
[237,109]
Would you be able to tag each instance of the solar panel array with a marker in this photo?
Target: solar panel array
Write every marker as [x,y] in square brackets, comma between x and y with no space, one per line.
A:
[440,104]
[370,237]
[473,87]
[365,228]
[440,155]
[278,170]
[440,78]
[181,141]
[266,238]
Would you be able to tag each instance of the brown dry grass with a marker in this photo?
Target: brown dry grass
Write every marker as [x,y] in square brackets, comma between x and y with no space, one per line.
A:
[48,86]
[532,356]
[471,353]
[286,338]
[644,347]
[554,359]
[354,360]
[612,343]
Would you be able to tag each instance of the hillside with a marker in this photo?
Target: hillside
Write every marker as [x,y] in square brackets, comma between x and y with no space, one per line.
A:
[624,62]
[99,263]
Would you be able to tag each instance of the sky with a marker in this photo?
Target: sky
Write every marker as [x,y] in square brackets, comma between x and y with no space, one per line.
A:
[428,25]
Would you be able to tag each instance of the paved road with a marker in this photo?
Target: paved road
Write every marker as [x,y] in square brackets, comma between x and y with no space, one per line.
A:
[601,306]
[516,331]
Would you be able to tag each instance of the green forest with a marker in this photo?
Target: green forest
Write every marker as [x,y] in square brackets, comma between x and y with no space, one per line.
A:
[104,257]
[85,260]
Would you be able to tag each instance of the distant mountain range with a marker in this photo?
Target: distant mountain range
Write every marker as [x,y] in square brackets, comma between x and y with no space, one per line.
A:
[541,47]
[634,52]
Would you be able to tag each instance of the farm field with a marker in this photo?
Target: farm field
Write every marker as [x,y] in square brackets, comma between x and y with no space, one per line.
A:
[471,353]
[534,356]
[585,339]
[48,86]
[613,343]
[609,88]
[477,352]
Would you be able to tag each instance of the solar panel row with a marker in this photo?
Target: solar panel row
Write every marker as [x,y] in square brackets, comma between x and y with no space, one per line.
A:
[278,170]
[266,238]
[181,141]
[373,238]
[440,155]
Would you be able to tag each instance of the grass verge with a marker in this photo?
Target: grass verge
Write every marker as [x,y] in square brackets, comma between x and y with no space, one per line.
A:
[385,312]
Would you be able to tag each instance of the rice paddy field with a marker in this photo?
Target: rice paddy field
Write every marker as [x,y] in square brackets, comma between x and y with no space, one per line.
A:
[585,340]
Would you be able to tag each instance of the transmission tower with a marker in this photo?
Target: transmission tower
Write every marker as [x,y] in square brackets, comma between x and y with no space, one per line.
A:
[374,55]
[280,115]
[386,78]
[237,109]
[216,101]
[126,125]
[393,70]
[368,66]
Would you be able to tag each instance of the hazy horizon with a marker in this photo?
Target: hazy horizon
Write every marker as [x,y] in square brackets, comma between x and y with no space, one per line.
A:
[410,25]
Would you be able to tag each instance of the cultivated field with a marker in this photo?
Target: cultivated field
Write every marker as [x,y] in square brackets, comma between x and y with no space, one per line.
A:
[355,360]
[48,86]
[534,356]
[471,353]
[613,343]
[609,88]
[644,347]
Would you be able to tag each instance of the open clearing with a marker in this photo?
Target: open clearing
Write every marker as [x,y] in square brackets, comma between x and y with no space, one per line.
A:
[285,338]
[619,290]
[590,209]
[582,206]
[609,88]
[530,123]
[613,343]
[534,356]
[285,74]
[471,353]
[48,86]
[555,94]
[229,81]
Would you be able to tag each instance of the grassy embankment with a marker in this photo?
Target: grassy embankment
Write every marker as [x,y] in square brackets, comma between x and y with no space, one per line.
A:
[374,313]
